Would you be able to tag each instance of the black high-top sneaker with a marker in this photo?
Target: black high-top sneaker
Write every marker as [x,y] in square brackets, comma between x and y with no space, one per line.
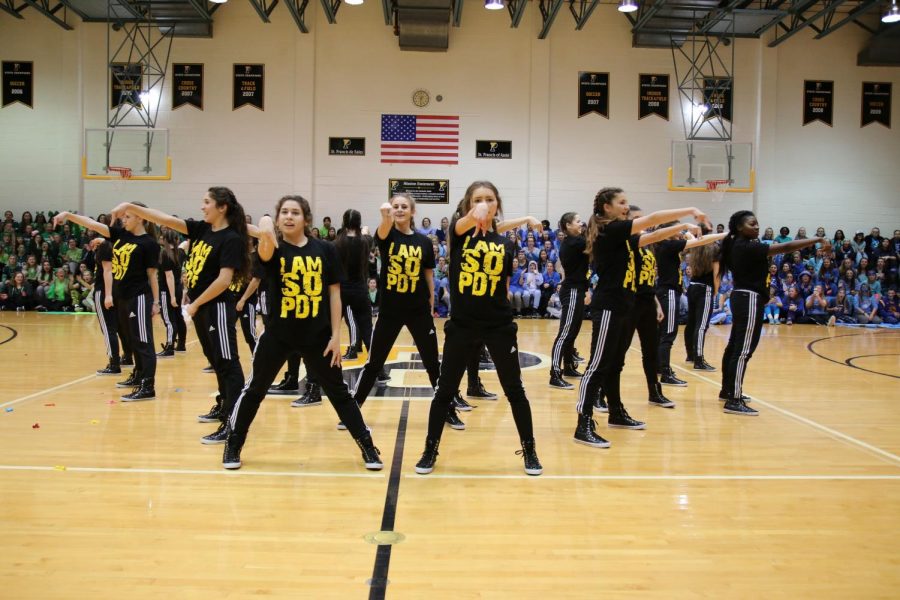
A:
[668,378]
[350,354]
[484,360]
[556,381]
[179,346]
[370,454]
[143,390]
[216,437]
[700,364]
[478,391]
[231,457]
[110,369]
[460,403]
[658,399]
[586,433]
[600,402]
[214,415]
[452,419]
[312,397]
[127,360]
[689,358]
[577,358]
[723,397]
[738,407]
[569,370]
[208,369]
[382,377]
[429,457]
[620,419]
[168,351]
[288,385]
[532,464]
[132,380]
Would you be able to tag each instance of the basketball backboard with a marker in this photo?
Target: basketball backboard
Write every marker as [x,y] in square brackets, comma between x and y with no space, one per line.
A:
[144,151]
[696,162]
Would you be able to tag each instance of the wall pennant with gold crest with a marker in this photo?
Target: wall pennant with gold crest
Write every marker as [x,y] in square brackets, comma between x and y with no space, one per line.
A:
[876,103]
[818,102]
[18,82]
[593,93]
[126,81]
[653,95]
[187,85]
[249,86]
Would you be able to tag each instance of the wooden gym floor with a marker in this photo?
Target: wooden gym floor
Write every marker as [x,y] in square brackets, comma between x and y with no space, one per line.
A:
[100,499]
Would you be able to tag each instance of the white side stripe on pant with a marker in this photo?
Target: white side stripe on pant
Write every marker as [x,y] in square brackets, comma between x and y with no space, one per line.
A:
[351,323]
[596,354]
[556,355]
[164,306]
[142,318]
[101,314]
[748,340]
[223,331]
[703,325]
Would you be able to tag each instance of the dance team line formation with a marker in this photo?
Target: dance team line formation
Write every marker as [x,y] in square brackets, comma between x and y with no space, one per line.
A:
[623,269]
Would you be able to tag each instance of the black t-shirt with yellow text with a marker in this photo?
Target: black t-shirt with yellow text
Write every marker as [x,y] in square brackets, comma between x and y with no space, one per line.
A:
[298,278]
[403,285]
[647,274]
[210,252]
[132,255]
[573,259]
[668,257]
[238,285]
[614,258]
[480,267]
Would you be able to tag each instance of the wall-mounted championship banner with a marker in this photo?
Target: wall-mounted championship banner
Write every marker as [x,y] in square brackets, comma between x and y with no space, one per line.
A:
[425,191]
[493,149]
[346,146]
[717,96]
[18,83]
[593,93]
[187,85]
[125,84]
[249,84]
[653,95]
[818,102]
[876,103]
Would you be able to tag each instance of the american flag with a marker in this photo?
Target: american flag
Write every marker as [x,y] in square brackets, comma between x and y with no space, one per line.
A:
[420,139]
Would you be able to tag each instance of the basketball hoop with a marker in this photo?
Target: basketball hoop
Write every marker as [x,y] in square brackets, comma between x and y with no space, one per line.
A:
[717,187]
[122,172]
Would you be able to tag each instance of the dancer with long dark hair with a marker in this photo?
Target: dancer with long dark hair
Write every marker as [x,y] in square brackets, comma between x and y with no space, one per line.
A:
[610,242]
[304,279]
[704,287]
[571,295]
[748,261]
[171,290]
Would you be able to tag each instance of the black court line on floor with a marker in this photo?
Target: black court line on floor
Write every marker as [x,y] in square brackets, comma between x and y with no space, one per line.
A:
[11,337]
[850,360]
[379,581]
[847,362]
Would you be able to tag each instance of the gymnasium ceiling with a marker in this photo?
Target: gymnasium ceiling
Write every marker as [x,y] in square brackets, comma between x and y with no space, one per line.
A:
[425,24]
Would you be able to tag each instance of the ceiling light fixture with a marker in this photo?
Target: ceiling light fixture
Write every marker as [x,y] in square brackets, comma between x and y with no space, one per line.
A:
[893,13]
[627,6]
[353,2]
[493,4]
[218,1]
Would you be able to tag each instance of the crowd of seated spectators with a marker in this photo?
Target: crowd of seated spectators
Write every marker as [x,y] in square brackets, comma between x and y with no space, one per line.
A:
[47,268]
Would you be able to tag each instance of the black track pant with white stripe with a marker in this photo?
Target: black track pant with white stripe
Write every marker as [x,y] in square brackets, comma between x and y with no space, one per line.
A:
[700,302]
[747,310]
[387,328]
[358,314]
[217,320]
[668,330]
[176,329]
[642,317]
[136,314]
[459,344]
[123,328]
[109,326]
[572,299]
[271,352]
[605,364]
[248,324]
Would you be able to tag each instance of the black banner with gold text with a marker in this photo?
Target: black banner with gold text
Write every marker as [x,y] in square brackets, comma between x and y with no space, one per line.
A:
[187,85]
[718,93]
[876,103]
[125,83]
[818,102]
[425,191]
[249,85]
[593,93]
[653,95]
[18,83]
[346,146]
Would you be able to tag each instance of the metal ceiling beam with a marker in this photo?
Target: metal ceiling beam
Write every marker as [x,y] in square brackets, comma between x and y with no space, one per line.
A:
[261,8]
[806,22]
[647,13]
[516,10]
[797,8]
[862,8]
[388,9]
[549,10]
[298,13]
[584,13]
[457,12]
[717,16]
[200,7]
[8,7]
[331,7]
[43,7]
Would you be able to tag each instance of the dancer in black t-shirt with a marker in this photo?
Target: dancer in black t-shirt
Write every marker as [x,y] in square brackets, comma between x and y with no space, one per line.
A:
[171,289]
[135,257]
[704,286]
[612,249]
[480,267]
[353,250]
[103,304]
[304,277]
[218,254]
[245,294]
[748,261]
[571,295]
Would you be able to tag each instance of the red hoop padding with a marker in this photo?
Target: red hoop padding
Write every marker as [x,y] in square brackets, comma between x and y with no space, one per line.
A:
[122,172]
[713,184]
